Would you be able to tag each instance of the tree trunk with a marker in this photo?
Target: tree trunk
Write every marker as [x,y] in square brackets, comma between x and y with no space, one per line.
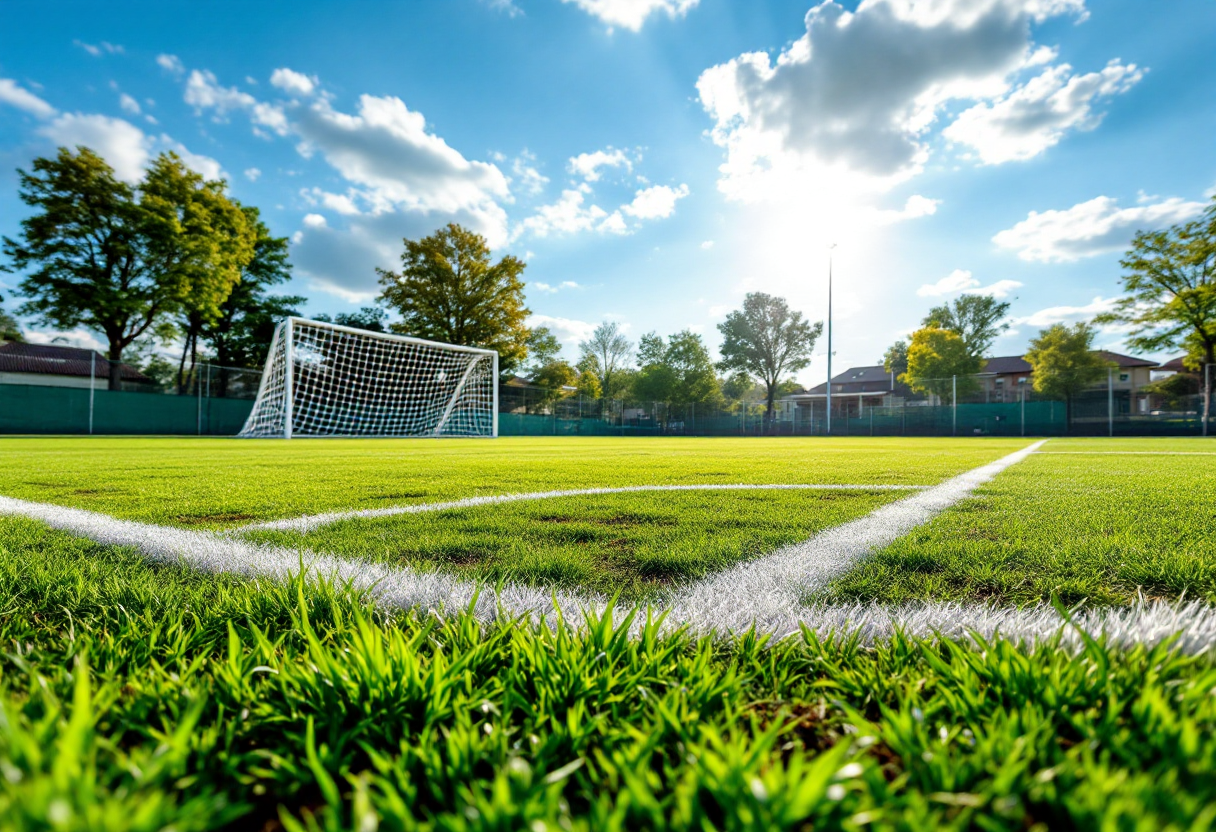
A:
[770,394]
[115,357]
[181,368]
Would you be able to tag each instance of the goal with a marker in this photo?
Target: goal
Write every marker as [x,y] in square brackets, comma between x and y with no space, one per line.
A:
[323,379]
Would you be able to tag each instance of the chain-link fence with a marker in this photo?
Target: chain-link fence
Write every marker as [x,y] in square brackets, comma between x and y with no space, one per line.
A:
[206,400]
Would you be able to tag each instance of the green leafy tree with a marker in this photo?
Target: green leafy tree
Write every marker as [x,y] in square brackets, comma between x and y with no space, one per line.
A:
[977,319]
[895,359]
[1170,280]
[448,290]
[241,335]
[102,254]
[214,239]
[1064,363]
[612,353]
[589,385]
[553,379]
[940,363]
[371,318]
[10,330]
[738,386]
[767,340]
[1174,390]
[678,371]
[543,348]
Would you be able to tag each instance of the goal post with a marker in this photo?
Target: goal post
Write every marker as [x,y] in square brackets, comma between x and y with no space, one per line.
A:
[324,379]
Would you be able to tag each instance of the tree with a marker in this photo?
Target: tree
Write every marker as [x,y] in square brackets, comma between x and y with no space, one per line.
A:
[977,319]
[214,238]
[553,378]
[1174,390]
[677,371]
[767,340]
[895,359]
[1170,280]
[940,363]
[612,352]
[1064,363]
[10,330]
[738,385]
[241,335]
[543,348]
[448,290]
[371,318]
[105,255]
[589,385]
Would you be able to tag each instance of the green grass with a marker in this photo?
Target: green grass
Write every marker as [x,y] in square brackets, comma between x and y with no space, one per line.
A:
[135,697]
[217,483]
[1085,526]
[632,544]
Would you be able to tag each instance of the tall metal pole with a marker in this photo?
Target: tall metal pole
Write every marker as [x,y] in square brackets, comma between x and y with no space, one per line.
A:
[954,405]
[1110,401]
[1023,386]
[828,422]
[92,385]
[1207,396]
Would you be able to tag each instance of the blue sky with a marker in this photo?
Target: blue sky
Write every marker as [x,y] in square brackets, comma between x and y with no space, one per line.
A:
[654,160]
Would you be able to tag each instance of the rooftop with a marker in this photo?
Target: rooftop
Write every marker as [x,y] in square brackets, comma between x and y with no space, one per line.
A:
[56,360]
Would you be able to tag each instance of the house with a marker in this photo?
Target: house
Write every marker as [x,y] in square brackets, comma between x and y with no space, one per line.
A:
[52,365]
[1002,379]
[853,392]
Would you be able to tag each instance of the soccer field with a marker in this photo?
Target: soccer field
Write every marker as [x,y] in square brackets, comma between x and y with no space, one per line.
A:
[165,664]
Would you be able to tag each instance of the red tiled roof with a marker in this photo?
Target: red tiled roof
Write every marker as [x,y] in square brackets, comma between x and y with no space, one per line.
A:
[1175,365]
[51,359]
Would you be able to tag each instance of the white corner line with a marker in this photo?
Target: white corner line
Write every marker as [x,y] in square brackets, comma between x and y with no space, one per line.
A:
[313,521]
[766,593]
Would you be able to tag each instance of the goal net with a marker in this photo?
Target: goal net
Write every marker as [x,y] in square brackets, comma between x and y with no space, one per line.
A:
[324,379]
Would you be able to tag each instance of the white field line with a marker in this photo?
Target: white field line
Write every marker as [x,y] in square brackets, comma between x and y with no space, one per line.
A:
[766,592]
[1130,453]
[313,521]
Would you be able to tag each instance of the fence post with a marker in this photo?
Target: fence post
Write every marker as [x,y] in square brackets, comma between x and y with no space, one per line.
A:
[92,385]
[1110,401]
[954,405]
[1023,386]
[871,421]
[198,395]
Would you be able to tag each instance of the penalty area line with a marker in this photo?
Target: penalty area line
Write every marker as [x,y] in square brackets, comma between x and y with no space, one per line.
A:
[314,521]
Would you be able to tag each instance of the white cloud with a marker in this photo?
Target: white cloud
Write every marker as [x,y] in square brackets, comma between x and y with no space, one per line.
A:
[587,165]
[292,82]
[387,149]
[16,96]
[252,174]
[1089,228]
[551,289]
[1036,115]
[507,7]
[566,216]
[314,221]
[171,63]
[845,108]
[1066,314]
[79,337]
[129,104]
[961,281]
[208,167]
[97,50]
[530,180]
[344,204]
[203,92]
[119,142]
[708,244]
[567,330]
[631,14]
[656,202]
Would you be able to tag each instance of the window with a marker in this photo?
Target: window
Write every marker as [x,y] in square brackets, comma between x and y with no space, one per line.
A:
[1123,376]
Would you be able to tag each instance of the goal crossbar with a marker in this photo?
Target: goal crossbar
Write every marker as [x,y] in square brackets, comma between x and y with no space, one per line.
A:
[329,380]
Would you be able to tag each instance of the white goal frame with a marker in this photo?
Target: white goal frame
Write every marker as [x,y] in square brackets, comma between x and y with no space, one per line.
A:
[276,412]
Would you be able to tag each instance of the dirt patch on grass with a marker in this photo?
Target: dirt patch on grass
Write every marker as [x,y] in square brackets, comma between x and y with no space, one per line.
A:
[403,495]
[624,519]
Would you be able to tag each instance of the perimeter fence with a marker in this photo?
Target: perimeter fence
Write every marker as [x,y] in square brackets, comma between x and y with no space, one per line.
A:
[215,401]
[209,400]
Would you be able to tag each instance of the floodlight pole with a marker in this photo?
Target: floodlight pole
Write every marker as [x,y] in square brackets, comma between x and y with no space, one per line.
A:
[828,423]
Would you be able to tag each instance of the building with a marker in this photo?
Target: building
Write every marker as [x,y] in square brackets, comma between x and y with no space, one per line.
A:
[51,365]
[853,392]
[1003,379]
